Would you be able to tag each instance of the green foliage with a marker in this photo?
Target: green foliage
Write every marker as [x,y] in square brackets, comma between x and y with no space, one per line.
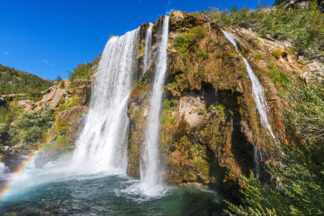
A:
[272,65]
[304,28]
[279,78]
[199,160]
[180,43]
[277,53]
[6,115]
[259,57]
[242,74]
[221,109]
[61,143]
[185,42]
[32,124]
[307,115]
[167,104]
[203,112]
[84,71]
[74,101]
[141,52]
[13,81]
[211,107]
[203,54]
[298,188]
[195,34]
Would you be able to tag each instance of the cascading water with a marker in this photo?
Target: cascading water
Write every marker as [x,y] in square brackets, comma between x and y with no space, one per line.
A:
[257,89]
[101,145]
[148,48]
[151,173]
[259,98]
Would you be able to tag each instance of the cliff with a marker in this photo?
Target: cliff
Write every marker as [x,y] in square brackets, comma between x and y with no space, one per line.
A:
[210,127]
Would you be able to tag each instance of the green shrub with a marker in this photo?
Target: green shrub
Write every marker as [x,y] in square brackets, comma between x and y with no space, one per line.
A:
[242,74]
[259,56]
[203,54]
[32,124]
[302,27]
[73,102]
[277,54]
[184,42]
[14,81]
[167,104]
[180,43]
[297,187]
[84,71]
[195,34]
[279,78]
[272,65]
[221,109]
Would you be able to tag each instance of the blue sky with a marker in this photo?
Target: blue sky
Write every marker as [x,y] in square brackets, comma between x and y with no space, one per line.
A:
[48,38]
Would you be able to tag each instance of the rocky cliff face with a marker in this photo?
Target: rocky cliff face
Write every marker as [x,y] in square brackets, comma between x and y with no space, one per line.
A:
[209,124]
[64,104]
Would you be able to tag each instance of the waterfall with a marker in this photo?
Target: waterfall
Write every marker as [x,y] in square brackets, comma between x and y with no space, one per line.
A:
[257,89]
[3,170]
[258,160]
[151,172]
[101,146]
[148,48]
[259,99]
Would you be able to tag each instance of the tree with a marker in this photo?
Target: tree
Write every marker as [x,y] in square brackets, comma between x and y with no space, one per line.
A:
[58,78]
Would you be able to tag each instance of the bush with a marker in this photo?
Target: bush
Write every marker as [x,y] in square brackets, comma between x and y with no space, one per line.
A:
[203,54]
[221,109]
[32,124]
[279,78]
[304,28]
[13,81]
[298,188]
[180,43]
[195,34]
[259,57]
[84,71]
[277,54]
[184,42]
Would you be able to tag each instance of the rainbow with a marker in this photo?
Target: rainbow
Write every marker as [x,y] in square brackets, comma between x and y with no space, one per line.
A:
[9,185]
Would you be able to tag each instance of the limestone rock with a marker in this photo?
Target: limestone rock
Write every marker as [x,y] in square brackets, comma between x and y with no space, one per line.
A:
[189,109]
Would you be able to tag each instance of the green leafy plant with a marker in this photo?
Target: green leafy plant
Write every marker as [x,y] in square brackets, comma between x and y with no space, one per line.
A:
[302,27]
[297,187]
[279,78]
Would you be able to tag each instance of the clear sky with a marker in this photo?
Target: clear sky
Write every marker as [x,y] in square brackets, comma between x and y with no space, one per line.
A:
[50,37]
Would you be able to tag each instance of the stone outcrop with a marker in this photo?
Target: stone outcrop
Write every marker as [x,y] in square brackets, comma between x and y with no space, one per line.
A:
[209,122]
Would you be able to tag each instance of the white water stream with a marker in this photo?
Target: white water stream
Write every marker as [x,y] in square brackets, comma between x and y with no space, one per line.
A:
[102,144]
[259,98]
[151,171]
[148,48]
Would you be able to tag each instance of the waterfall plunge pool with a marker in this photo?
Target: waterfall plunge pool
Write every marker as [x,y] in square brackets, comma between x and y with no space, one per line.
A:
[107,195]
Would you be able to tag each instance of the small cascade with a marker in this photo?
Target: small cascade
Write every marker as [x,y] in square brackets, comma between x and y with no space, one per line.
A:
[148,48]
[151,172]
[258,161]
[101,146]
[3,170]
[259,99]
[257,88]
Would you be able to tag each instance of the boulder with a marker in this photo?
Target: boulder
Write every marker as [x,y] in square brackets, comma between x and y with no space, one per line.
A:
[189,111]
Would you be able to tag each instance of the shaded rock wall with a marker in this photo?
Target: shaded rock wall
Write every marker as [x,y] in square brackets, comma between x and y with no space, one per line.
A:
[209,123]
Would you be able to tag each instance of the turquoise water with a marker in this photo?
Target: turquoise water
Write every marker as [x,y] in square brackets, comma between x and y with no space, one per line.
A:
[108,195]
